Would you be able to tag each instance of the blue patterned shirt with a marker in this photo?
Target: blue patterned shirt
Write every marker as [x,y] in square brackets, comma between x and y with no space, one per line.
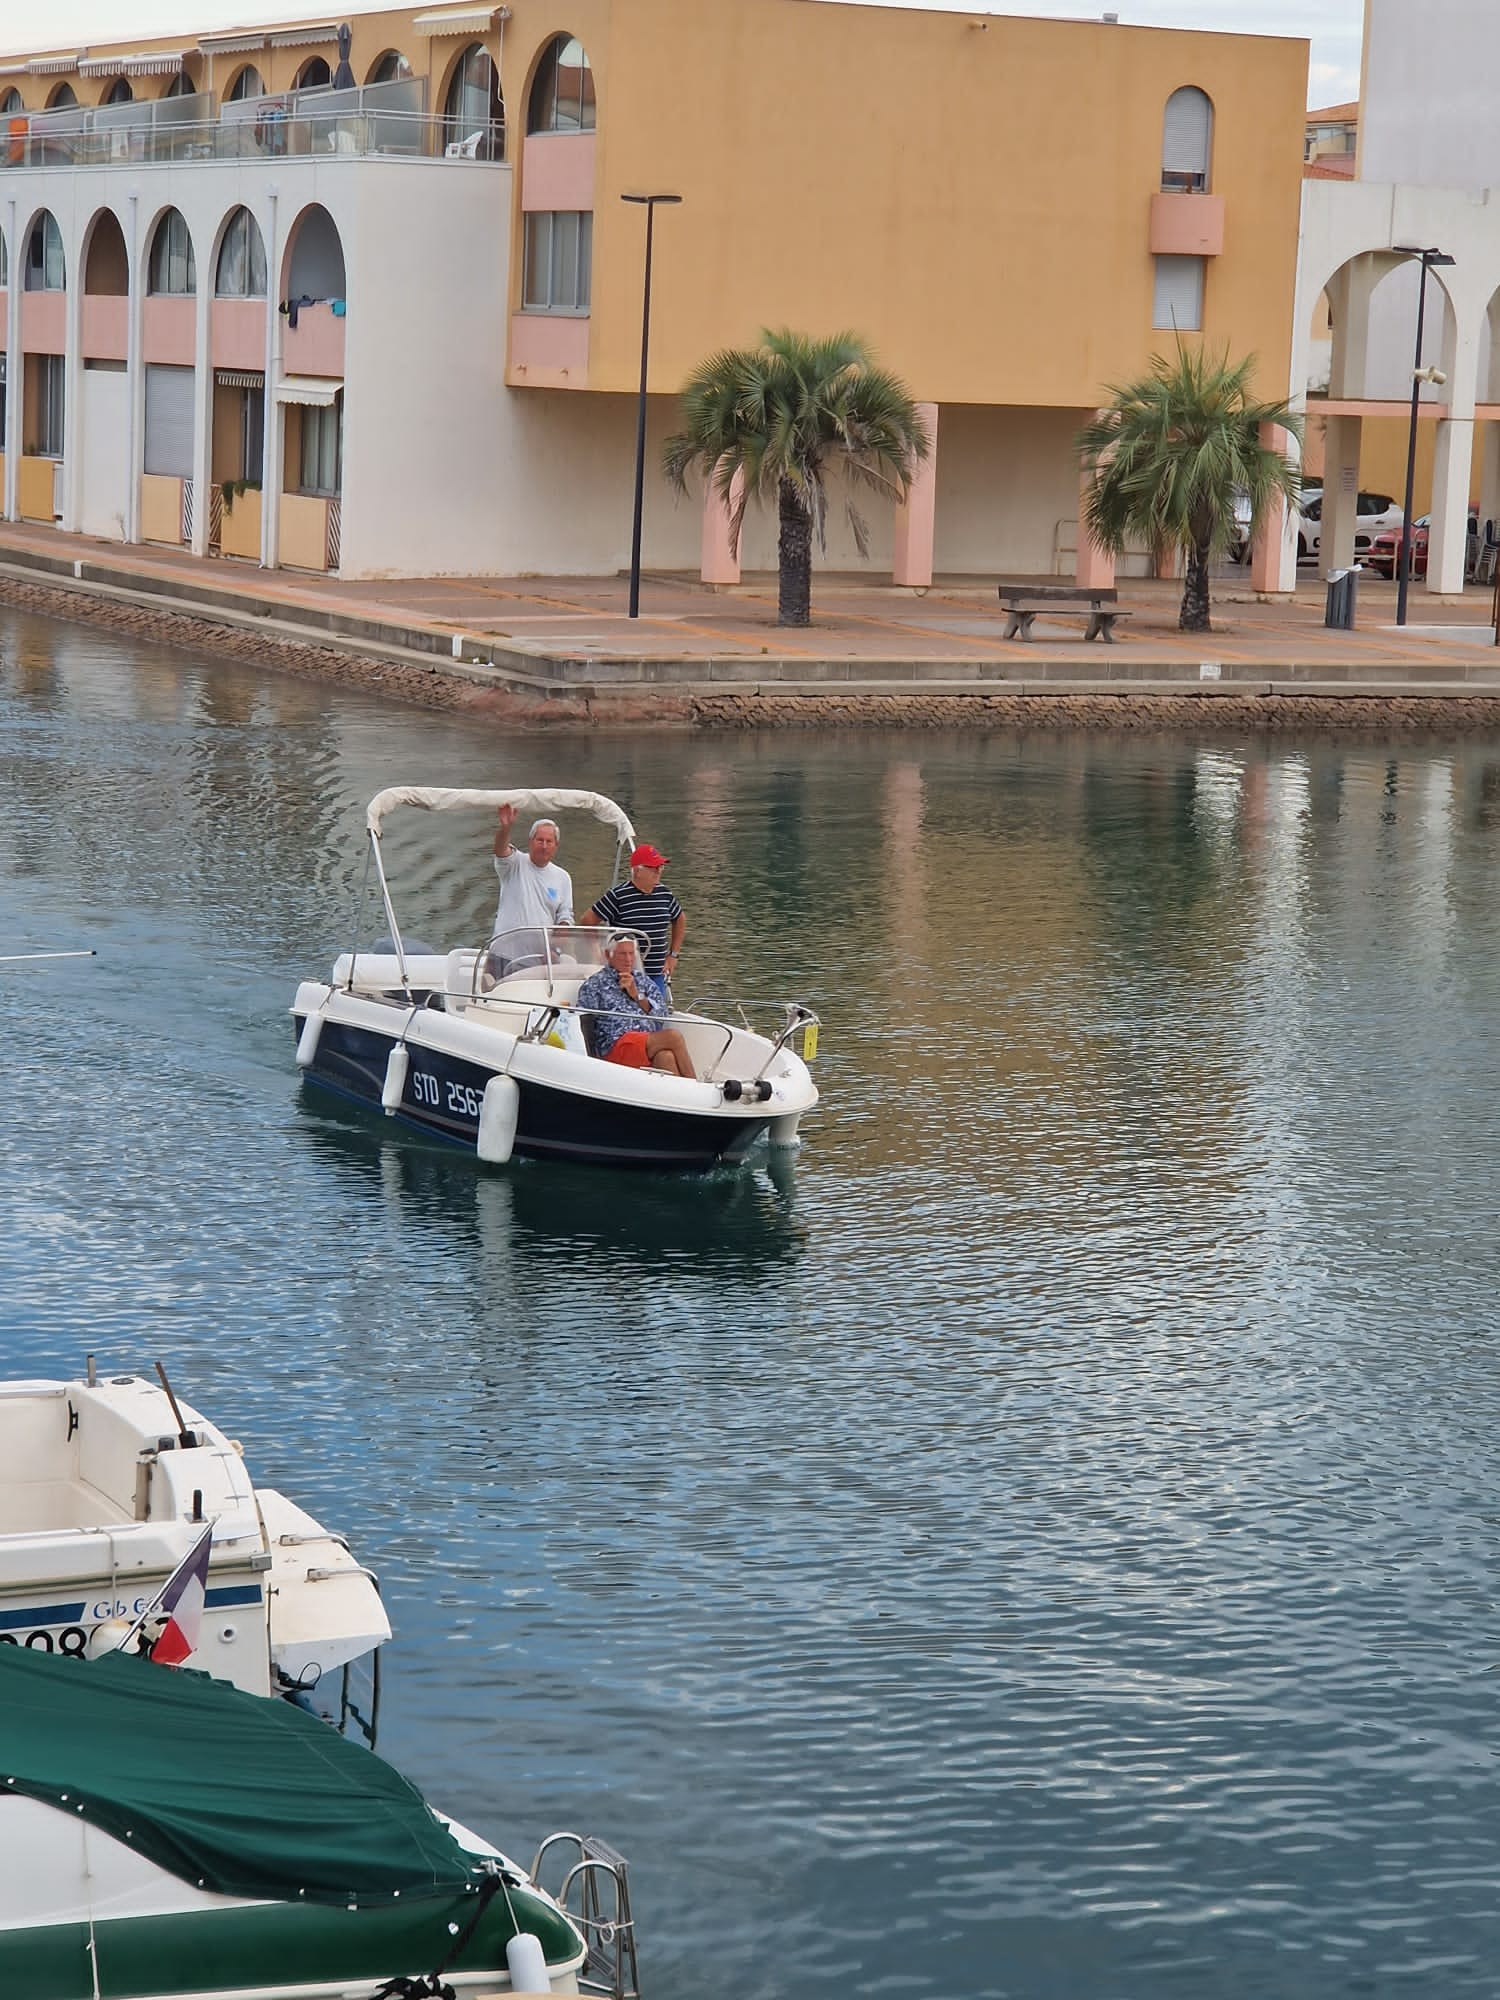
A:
[613,1013]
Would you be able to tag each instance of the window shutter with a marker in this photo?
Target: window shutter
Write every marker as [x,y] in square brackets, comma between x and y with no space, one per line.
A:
[1186,131]
[169,421]
[1178,300]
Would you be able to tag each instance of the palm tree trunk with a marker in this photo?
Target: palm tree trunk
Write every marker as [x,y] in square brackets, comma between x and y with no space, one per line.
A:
[1193,617]
[794,558]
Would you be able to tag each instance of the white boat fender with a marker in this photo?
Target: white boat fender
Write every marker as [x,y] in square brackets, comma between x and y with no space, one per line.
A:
[307,1041]
[524,1956]
[732,1090]
[498,1116]
[397,1063]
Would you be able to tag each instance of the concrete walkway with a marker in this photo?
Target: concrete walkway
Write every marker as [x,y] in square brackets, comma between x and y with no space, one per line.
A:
[572,632]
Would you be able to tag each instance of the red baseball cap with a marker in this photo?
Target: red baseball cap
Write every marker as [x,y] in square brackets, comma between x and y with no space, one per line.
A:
[647,856]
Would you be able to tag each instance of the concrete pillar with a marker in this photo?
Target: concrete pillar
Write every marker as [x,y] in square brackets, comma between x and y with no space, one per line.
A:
[203,404]
[911,559]
[72,468]
[1093,567]
[1340,493]
[717,562]
[135,367]
[1349,301]
[16,255]
[1269,575]
[1447,538]
[275,430]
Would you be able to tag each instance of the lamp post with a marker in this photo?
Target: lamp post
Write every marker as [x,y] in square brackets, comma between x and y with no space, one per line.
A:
[650,203]
[1419,375]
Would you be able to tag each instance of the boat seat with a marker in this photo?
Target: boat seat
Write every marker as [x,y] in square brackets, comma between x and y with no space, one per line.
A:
[33,1506]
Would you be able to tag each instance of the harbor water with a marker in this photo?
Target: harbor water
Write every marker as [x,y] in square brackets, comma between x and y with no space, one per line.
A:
[1036,1543]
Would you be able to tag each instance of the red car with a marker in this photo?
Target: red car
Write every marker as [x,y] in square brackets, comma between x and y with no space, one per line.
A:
[1384,552]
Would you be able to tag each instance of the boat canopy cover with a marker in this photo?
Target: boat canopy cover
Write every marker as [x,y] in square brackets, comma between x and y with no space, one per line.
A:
[242,1794]
[438,798]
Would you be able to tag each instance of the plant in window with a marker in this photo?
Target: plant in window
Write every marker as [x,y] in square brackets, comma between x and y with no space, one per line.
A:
[1170,456]
[782,417]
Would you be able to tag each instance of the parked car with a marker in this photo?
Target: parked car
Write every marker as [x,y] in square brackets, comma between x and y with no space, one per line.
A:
[1239,549]
[1374,514]
[1385,550]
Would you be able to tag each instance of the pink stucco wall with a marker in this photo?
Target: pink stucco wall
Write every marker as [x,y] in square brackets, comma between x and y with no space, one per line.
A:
[237,333]
[1187,225]
[105,329]
[548,351]
[4,317]
[315,345]
[44,322]
[168,330]
[557,171]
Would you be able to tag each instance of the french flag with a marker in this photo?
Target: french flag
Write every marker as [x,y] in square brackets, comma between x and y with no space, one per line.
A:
[182,1600]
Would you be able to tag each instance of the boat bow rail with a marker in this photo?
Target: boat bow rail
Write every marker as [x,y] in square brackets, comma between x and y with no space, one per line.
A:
[595,1895]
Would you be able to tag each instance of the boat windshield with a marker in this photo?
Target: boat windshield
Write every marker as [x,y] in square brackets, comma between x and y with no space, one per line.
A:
[563,952]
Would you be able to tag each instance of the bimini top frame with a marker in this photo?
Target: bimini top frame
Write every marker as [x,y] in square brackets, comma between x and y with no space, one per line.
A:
[443,798]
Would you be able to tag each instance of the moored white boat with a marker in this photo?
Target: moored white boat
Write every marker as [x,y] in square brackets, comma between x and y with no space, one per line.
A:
[106,1482]
[486,1046]
[164,1836]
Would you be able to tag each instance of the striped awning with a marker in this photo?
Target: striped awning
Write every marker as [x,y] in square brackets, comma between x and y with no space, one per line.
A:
[318,391]
[155,62]
[240,378]
[231,45]
[455,21]
[55,65]
[302,38]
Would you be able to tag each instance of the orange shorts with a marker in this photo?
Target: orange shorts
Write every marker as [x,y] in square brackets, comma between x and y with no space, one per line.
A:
[630,1050]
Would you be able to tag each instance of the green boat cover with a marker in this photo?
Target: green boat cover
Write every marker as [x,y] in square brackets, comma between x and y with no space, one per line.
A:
[238,1793]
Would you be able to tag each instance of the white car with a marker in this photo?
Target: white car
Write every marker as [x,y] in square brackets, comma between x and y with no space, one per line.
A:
[1239,549]
[1374,514]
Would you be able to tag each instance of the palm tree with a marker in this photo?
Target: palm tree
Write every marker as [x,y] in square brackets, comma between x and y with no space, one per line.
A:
[770,422]
[1171,454]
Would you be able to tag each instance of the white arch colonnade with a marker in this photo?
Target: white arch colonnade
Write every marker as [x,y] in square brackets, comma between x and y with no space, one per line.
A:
[1350,234]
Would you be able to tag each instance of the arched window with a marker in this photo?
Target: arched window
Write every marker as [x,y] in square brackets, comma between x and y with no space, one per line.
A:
[44,256]
[182,85]
[4,261]
[1187,132]
[63,98]
[313,74]
[247,84]
[106,267]
[119,92]
[170,269]
[392,67]
[474,115]
[241,272]
[314,267]
[562,91]
[11,103]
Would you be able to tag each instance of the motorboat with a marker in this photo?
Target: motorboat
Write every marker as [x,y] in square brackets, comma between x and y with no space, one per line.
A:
[107,1482]
[486,1046]
[166,1836]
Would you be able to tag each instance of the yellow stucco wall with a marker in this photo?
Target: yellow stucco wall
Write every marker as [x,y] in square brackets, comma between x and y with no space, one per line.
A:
[973,198]
[37,485]
[161,508]
[239,532]
[304,531]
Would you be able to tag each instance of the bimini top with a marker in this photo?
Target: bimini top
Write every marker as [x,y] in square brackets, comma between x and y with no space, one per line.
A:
[439,798]
[237,1793]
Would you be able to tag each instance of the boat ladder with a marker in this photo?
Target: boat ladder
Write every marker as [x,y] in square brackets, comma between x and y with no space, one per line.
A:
[600,1878]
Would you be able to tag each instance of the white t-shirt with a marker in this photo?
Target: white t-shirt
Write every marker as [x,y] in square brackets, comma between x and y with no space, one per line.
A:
[529,895]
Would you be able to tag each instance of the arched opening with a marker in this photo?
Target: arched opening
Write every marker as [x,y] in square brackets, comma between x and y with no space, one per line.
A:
[392,67]
[313,75]
[562,91]
[11,103]
[63,98]
[4,266]
[171,271]
[1187,132]
[106,267]
[474,111]
[314,258]
[45,271]
[119,92]
[245,84]
[182,85]
[240,272]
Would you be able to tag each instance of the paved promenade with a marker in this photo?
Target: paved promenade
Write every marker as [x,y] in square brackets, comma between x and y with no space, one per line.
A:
[556,638]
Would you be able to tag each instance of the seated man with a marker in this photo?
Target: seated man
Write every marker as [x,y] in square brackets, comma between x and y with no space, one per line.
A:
[625,1010]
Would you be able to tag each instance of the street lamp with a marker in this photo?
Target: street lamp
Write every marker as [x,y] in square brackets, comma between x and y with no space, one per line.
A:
[649,202]
[1419,375]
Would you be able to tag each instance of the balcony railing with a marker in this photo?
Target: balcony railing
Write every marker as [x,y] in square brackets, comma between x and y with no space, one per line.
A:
[387,119]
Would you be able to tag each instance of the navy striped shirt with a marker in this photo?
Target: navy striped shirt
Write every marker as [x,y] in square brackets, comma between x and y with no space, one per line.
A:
[651,912]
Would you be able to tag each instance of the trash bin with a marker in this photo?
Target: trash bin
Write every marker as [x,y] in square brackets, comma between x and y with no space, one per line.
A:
[1339,612]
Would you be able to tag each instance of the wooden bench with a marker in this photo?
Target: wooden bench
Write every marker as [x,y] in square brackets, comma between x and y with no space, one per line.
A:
[1024,603]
